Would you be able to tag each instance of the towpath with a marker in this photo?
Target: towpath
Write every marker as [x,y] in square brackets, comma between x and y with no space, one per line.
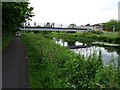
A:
[14,65]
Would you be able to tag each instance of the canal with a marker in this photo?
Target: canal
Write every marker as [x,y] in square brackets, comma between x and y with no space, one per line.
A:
[109,54]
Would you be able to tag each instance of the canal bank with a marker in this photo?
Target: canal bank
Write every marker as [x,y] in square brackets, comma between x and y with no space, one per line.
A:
[53,66]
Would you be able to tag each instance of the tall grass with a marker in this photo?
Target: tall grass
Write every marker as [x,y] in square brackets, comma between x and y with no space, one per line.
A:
[53,66]
[6,38]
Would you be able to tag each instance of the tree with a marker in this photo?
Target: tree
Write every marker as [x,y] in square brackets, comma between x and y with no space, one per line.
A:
[111,25]
[52,25]
[118,27]
[14,14]
[47,24]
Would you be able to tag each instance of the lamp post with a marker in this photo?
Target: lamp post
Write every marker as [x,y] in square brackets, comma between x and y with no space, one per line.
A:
[34,24]
[113,28]
[24,27]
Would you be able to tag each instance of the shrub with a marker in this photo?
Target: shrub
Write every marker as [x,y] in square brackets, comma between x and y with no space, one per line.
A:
[53,66]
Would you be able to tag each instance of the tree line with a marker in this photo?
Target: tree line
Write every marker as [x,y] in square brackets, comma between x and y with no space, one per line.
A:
[112,25]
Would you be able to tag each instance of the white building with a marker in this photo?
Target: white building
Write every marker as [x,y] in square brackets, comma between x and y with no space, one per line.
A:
[86,27]
[72,26]
[98,26]
[119,10]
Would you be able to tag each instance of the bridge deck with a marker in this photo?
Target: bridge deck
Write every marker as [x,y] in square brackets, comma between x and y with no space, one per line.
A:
[53,29]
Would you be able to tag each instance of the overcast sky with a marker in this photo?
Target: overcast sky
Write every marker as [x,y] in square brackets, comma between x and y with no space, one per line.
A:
[79,12]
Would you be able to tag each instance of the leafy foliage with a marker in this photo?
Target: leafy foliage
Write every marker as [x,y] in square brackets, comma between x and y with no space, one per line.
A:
[53,66]
[14,14]
[108,26]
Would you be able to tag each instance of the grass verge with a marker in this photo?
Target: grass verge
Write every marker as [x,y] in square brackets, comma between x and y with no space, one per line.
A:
[6,38]
[53,66]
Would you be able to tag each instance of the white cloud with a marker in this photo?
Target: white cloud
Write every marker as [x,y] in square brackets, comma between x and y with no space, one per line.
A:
[74,11]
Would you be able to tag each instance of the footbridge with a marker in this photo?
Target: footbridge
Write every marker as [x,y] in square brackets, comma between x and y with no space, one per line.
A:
[54,29]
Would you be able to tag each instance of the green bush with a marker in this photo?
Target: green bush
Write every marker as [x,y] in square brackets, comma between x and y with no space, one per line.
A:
[97,32]
[117,40]
[53,66]
[6,38]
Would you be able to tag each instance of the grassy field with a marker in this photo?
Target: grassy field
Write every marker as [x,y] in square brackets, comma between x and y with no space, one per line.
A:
[110,34]
[107,34]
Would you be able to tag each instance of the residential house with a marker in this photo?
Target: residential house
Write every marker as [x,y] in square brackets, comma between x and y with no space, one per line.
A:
[72,26]
[97,26]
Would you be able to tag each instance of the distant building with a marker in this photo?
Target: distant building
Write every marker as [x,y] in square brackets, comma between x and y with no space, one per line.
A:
[72,26]
[97,26]
[92,27]
[52,25]
[119,10]
[87,26]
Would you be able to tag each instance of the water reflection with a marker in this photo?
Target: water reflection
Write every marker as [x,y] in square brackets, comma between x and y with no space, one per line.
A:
[106,56]
[108,53]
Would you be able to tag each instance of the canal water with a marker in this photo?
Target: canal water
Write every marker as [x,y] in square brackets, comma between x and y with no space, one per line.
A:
[108,53]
